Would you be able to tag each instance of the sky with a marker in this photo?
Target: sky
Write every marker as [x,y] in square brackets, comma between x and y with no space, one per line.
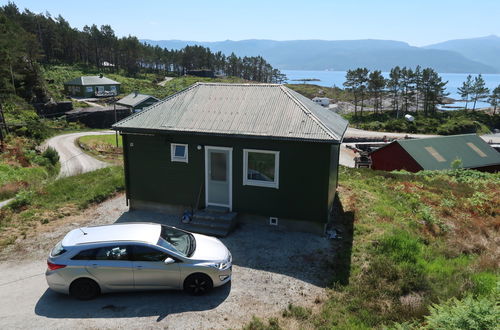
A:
[418,22]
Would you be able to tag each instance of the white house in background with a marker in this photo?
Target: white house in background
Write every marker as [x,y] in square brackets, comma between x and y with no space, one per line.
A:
[323,101]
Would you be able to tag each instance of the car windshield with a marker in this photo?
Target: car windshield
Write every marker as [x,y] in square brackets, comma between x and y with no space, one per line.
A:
[183,242]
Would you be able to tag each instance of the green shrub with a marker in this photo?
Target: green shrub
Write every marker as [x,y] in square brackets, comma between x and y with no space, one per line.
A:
[485,283]
[468,313]
[52,155]
[401,247]
[22,199]
[258,324]
[297,312]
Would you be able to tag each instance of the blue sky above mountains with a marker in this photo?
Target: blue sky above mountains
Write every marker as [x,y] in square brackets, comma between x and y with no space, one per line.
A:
[419,23]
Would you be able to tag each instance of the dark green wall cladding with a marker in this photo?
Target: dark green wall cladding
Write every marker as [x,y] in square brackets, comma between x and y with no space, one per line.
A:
[307,175]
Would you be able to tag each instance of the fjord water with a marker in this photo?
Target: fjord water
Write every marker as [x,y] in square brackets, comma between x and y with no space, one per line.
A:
[337,78]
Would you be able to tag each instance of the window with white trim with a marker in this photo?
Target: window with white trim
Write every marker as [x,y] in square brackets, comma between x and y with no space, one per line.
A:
[179,152]
[261,168]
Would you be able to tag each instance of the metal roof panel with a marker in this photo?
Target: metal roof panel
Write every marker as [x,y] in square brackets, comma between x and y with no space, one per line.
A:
[438,153]
[268,110]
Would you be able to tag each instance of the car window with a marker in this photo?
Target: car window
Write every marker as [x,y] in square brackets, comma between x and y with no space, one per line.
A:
[116,252]
[144,253]
[58,250]
[86,255]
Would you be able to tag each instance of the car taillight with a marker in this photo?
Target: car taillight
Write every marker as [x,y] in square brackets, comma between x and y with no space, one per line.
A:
[52,266]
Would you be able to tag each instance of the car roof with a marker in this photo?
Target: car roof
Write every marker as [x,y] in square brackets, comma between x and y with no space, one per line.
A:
[140,232]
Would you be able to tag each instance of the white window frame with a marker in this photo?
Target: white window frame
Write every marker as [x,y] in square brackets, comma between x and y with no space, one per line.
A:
[267,184]
[175,158]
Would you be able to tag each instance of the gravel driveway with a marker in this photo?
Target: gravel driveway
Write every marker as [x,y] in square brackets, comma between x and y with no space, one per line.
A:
[271,270]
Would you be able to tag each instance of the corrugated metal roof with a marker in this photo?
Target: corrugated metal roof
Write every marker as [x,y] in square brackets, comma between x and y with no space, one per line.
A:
[91,80]
[134,99]
[438,153]
[259,110]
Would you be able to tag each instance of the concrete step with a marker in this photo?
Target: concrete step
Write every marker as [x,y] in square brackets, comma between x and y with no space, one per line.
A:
[215,217]
[209,222]
[217,209]
[217,232]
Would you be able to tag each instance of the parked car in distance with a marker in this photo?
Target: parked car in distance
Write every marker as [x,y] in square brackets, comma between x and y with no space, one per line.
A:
[136,256]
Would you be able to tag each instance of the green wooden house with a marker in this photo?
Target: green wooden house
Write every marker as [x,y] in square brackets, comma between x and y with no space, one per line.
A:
[252,149]
[92,86]
[136,101]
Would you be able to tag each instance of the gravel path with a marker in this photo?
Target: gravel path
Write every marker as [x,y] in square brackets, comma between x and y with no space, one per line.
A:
[271,269]
[73,159]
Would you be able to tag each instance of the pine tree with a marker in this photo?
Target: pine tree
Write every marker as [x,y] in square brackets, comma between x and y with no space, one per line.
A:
[394,85]
[351,85]
[494,98]
[361,84]
[376,85]
[479,91]
[417,82]
[466,90]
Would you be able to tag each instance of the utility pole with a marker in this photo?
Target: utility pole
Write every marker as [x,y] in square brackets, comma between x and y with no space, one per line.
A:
[4,124]
[116,119]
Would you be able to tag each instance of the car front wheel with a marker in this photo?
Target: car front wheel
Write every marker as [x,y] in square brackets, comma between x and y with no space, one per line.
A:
[198,284]
[84,289]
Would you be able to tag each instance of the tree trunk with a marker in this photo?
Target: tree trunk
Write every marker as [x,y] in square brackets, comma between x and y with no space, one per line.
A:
[362,104]
[12,78]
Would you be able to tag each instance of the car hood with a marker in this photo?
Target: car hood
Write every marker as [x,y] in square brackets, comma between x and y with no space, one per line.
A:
[209,249]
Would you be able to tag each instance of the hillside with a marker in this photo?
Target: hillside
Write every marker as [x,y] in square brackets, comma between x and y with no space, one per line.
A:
[409,241]
[341,55]
[484,50]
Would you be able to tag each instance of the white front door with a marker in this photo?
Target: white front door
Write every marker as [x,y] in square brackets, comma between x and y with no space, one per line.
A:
[218,176]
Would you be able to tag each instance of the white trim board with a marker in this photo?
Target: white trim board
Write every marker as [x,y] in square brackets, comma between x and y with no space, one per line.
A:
[258,183]
[230,161]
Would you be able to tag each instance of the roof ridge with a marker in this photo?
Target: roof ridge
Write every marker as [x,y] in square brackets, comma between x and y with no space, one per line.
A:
[304,108]
[124,120]
[238,84]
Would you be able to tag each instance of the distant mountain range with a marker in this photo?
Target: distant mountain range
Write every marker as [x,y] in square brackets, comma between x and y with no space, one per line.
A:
[478,55]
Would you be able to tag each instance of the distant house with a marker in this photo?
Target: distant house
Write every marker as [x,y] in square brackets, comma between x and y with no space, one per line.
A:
[437,153]
[92,86]
[259,149]
[136,102]
[323,101]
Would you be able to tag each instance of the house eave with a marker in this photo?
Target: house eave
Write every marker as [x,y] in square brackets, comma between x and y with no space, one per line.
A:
[130,130]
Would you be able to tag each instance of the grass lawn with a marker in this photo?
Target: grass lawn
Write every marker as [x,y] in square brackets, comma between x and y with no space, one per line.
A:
[422,254]
[103,147]
[57,199]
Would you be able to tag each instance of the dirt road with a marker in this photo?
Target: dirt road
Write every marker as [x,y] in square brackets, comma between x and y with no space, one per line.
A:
[73,160]
[271,269]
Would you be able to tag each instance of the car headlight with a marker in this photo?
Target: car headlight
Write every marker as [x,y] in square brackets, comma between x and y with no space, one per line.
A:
[222,265]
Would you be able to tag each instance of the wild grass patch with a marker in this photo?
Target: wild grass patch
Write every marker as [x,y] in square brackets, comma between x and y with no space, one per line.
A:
[423,247]
[58,199]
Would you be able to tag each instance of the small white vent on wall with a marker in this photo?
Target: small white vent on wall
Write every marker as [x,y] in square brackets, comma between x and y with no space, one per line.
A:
[273,221]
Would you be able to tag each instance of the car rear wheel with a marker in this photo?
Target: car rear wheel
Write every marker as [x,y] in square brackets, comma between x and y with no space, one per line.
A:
[198,284]
[84,289]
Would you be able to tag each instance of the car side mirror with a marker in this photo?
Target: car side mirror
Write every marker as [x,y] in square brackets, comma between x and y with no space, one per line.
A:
[169,261]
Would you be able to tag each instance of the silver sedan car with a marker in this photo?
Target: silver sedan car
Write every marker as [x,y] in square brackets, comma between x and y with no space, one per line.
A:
[136,256]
